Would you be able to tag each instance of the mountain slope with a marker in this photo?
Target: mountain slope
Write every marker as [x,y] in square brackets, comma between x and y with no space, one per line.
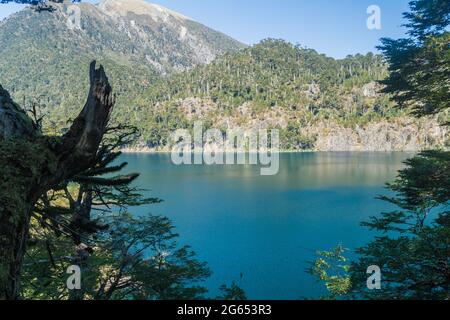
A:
[45,60]
[315,101]
[166,39]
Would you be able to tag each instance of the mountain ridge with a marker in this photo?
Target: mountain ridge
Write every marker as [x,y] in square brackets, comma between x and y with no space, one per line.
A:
[43,57]
[122,7]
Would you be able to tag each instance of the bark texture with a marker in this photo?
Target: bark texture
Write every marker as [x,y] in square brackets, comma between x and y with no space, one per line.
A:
[32,164]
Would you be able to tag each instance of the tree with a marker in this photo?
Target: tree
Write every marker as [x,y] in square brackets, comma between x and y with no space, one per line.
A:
[84,221]
[414,250]
[70,208]
[131,258]
[419,65]
[232,293]
[149,264]
[331,268]
[31,164]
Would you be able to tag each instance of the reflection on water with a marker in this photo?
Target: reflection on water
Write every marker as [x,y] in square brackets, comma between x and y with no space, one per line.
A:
[267,227]
[340,169]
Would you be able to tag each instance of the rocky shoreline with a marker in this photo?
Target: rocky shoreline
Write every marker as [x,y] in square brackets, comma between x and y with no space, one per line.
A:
[401,135]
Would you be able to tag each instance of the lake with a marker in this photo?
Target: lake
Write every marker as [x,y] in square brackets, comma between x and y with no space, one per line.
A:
[267,227]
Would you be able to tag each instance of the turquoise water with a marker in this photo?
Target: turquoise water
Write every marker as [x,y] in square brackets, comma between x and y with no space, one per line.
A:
[267,228]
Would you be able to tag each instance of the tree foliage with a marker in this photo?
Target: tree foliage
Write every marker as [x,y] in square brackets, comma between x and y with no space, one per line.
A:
[271,75]
[414,250]
[331,268]
[232,293]
[86,222]
[420,64]
[413,245]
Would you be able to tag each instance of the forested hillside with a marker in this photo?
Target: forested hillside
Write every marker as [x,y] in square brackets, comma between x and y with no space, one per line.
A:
[44,61]
[275,84]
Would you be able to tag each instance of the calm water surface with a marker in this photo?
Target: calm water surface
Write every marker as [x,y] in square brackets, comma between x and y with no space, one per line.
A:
[267,228]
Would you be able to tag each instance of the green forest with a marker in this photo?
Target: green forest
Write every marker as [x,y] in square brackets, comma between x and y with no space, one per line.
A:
[273,74]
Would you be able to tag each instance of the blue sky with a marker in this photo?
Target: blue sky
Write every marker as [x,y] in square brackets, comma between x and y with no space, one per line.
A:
[334,27]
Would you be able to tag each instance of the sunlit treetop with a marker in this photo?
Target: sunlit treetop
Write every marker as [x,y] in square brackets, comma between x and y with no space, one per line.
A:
[420,64]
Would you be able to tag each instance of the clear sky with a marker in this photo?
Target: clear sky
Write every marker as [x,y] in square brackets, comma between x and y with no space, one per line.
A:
[334,27]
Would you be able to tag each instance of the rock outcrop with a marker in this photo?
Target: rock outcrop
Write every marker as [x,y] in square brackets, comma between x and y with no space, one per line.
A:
[402,134]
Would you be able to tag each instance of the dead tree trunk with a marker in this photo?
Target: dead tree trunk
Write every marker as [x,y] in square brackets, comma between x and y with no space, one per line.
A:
[32,164]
